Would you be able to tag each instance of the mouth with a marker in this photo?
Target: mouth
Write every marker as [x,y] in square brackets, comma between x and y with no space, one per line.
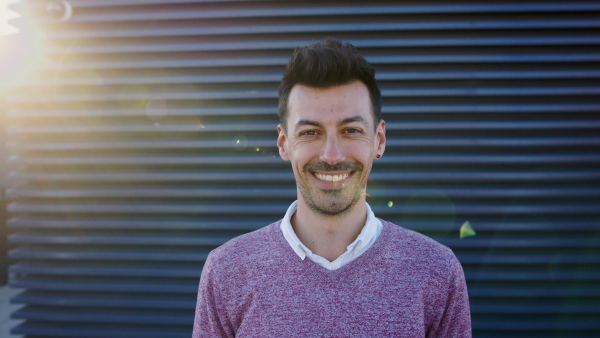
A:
[332,177]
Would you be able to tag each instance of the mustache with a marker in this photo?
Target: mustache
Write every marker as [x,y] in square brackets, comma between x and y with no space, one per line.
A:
[324,166]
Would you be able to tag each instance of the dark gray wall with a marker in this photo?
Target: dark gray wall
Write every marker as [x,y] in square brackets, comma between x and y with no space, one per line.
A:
[128,169]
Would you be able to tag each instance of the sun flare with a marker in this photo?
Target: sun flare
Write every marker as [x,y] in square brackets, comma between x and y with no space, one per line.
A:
[5,15]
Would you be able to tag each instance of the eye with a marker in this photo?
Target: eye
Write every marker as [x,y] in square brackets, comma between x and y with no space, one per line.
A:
[353,131]
[309,132]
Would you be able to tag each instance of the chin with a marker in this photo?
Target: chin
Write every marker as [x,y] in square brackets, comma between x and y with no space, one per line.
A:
[330,208]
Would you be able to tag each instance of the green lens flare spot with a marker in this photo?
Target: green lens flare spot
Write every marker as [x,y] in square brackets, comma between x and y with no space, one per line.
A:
[466,230]
[390,204]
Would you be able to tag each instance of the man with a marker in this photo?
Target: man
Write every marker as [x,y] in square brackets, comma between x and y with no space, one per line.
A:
[330,268]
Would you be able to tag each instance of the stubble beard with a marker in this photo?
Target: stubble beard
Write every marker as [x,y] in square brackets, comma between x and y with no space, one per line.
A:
[333,203]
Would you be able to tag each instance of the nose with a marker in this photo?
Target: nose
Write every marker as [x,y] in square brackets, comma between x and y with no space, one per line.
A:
[332,152]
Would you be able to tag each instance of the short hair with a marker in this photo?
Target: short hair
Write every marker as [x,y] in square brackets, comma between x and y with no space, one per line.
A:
[324,64]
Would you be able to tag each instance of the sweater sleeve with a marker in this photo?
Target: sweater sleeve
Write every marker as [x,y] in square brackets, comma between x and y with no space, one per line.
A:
[210,319]
[456,317]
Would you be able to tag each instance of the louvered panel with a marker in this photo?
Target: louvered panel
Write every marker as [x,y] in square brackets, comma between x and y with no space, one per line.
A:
[148,138]
[111,269]
[108,284]
[34,329]
[78,315]
[3,175]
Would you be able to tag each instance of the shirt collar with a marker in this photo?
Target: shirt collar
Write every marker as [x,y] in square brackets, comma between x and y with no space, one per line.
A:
[367,233]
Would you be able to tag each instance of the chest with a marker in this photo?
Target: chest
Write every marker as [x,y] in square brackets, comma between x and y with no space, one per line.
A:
[390,306]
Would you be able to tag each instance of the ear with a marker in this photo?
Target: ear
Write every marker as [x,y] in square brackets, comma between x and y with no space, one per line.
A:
[282,143]
[380,139]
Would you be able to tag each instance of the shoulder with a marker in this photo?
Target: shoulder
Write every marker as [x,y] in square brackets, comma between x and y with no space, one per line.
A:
[243,249]
[409,245]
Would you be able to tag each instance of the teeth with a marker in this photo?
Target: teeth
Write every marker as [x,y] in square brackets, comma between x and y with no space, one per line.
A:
[330,178]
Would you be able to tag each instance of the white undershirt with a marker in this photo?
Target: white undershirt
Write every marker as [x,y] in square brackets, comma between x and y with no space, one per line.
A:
[368,235]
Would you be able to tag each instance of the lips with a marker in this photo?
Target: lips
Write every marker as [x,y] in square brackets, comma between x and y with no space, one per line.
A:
[332,178]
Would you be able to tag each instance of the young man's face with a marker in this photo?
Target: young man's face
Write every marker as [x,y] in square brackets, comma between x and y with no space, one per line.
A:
[331,142]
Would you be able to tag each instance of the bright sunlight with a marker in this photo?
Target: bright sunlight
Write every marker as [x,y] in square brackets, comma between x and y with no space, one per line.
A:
[5,15]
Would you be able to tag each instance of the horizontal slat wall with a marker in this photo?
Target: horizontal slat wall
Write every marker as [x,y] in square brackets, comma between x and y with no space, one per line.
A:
[3,232]
[150,139]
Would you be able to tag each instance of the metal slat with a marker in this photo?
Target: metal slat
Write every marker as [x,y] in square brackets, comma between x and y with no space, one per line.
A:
[200,92]
[108,269]
[193,75]
[137,207]
[538,306]
[528,290]
[110,253]
[144,129]
[177,109]
[295,26]
[243,223]
[481,289]
[454,192]
[129,140]
[105,300]
[139,251]
[35,329]
[436,157]
[421,175]
[548,325]
[183,12]
[91,315]
[180,60]
[248,223]
[107,284]
[207,240]
[129,239]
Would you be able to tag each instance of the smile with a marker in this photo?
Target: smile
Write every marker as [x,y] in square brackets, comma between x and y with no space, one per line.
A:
[331,178]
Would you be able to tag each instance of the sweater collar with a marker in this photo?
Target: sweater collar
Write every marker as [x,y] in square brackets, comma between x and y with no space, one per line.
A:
[367,233]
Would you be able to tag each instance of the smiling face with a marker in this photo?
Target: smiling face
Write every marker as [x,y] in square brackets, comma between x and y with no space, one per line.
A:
[331,142]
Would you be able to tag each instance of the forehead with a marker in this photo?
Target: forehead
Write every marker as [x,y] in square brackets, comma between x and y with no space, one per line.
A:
[329,105]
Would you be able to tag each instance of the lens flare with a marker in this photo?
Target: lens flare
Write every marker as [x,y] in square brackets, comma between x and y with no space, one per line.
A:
[240,142]
[22,54]
[466,230]
[390,204]
[5,15]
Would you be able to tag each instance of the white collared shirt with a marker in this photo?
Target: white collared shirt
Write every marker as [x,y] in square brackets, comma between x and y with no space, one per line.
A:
[364,241]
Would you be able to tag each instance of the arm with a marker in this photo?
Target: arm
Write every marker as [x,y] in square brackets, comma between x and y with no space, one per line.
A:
[455,321]
[210,319]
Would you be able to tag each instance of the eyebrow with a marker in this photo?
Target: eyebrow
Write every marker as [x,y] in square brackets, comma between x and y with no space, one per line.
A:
[347,120]
[308,123]
[356,118]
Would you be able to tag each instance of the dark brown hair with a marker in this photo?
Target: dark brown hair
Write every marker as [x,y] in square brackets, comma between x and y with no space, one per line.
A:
[327,63]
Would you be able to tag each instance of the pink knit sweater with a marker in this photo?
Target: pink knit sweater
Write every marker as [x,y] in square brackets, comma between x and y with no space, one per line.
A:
[405,285]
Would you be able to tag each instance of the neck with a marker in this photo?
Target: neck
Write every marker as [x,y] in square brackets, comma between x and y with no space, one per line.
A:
[328,236]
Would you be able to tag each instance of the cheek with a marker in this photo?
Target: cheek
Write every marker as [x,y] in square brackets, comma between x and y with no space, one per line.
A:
[303,152]
[297,162]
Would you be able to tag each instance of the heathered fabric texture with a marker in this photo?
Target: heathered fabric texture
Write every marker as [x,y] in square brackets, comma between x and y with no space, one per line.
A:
[405,285]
